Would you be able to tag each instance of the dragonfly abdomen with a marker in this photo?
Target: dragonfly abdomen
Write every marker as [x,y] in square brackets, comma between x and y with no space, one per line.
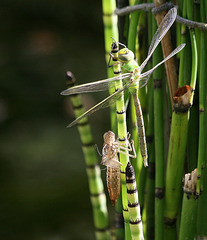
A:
[141,130]
[113,183]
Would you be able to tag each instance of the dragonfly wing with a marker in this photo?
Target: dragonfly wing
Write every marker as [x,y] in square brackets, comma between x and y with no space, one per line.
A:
[103,104]
[164,26]
[145,76]
[97,86]
[143,81]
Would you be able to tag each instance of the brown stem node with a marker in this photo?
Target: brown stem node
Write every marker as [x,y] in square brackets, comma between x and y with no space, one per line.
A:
[182,99]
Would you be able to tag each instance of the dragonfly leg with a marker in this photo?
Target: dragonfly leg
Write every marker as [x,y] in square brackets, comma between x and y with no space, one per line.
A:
[130,148]
[112,163]
[133,148]
[128,154]
[96,147]
[112,57]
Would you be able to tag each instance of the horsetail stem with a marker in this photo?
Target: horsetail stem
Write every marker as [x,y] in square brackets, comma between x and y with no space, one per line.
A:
[159,144]
[122,136]
[97,195]
[110,30]
[135,219]
[176,154]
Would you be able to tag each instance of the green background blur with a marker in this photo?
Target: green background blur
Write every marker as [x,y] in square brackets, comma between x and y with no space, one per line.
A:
[43,183]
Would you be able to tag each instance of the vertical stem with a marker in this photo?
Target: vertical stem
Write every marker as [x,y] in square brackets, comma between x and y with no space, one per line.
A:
[133,205]
[184,78]
[133,29]
[150,185]
[159,147]
[110,30]
[122,136]
[174,172]
[202,85]
[123,22]
[98,198]
[176,156]
[202,207]
[188,218]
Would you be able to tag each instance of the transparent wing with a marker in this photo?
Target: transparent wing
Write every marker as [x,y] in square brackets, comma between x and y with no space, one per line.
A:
[97,86]
[103,104]
[145,76]
[143,80]
[164,26]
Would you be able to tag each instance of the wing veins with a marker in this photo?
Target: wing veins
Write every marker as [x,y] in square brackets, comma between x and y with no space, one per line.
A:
[148,73]
[97,86]
[103,104]
[163,28]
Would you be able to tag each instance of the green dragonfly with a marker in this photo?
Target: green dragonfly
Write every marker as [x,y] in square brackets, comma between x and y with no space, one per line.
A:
[132,76]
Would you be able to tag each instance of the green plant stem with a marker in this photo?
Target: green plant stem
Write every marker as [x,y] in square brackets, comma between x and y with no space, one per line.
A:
[133,205]
[97,195]
[184,79]
[150,183]
[122,136]
[176,156]
[110,30]
[175,167]
[133,29]
[159,146]
[202,207]
[202,85]
[188,218]
[150,196]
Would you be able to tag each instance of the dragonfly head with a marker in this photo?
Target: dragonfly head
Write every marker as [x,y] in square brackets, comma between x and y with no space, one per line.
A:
[109,137]
[125,55]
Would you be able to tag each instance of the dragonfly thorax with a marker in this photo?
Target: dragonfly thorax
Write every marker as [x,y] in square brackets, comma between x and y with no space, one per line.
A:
[125,55]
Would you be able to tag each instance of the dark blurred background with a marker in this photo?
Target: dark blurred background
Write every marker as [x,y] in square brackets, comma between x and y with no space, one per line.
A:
[43,183]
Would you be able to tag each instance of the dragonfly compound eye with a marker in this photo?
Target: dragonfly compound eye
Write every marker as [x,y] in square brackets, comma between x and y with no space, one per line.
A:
[125,55]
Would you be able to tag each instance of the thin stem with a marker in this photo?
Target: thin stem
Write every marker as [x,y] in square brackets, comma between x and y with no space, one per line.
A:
[202,206]
[159,147]
[202,85]
[150,183]
[188,218]
[110,30]
[133,205]
[133,30]
[97,195]
[122,136]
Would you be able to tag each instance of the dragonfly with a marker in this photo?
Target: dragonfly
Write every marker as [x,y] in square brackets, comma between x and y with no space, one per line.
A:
[111,148]
[132,76]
